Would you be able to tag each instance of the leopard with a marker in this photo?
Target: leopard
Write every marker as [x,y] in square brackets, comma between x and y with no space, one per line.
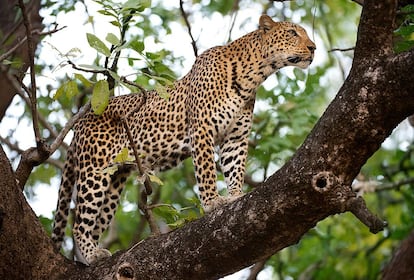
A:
[209,112]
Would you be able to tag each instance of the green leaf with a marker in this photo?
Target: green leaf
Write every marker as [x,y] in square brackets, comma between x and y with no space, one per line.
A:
[299,74]
[152,55]
[168,213]
[83,80]
[46,222]
[406,30]
[115,76]
[178,223]
[110,170]
[106,13]
[7,62]
[137,46]
[71,89]
[100,97]
[92,67]
[59,92]
[97,44]
[162,91]
[408,9]
[73,52]
[145,4]
[116,23]
[138,5]
[16,62]
[122,156]
[111,38]
[155,179]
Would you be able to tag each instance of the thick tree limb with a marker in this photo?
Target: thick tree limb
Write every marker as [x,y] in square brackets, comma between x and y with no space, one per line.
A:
[12,33]
[376,34]
[26,251]
[399,265]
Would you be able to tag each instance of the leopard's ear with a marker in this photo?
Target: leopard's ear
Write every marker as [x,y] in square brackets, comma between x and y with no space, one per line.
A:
[266,23]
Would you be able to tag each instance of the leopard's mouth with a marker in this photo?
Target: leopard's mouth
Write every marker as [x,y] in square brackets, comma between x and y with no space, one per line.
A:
[294,59]
[297,59]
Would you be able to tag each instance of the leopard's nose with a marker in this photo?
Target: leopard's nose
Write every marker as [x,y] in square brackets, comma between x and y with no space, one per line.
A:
[311,48]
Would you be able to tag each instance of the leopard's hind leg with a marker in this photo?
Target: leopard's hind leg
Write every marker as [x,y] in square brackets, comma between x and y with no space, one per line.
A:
[111,201]
[65,195]
[91,189]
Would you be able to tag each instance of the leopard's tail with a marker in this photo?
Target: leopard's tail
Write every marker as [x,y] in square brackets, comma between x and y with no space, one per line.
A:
[65,195]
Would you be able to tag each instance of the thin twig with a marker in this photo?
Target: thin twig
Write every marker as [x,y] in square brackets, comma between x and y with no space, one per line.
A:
[358,207]
[15,83]
[142,203]
[152,206]
[187,23]
[395,185]
[342,50]
[62,134]
[14,147]
[147,184]
[141,88]
[254,271]
[74,66]
[234,11]
[114,66]
[362,187]
[24,39]
[32,91]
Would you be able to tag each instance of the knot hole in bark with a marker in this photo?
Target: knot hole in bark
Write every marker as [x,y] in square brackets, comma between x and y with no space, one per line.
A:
[323,181]
[125,272]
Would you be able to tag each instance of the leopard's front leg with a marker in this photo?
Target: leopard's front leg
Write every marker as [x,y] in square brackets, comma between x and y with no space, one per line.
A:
[233,152]
[204,166]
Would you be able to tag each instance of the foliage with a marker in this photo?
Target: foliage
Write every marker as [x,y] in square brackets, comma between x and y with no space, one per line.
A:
[405,32]
[285,113]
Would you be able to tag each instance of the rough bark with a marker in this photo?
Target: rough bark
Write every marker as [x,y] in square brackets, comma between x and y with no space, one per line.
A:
[401,266]
[26,252]
[11,33]
[313,185]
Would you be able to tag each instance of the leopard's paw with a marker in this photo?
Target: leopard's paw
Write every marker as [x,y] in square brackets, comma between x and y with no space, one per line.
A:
[220,201]
[234,197]
[99,254]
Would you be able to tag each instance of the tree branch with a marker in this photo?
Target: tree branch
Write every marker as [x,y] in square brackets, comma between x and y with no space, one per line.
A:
[32,91]
[14,81]
[401,260]
[24,39]
[187,23]
[21,228]
[375,31]
[33,157]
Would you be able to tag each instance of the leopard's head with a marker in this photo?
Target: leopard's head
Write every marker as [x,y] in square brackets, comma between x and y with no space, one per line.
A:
[285,43]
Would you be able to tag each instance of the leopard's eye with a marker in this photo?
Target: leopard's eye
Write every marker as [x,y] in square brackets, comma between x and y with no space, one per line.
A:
[292,32]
